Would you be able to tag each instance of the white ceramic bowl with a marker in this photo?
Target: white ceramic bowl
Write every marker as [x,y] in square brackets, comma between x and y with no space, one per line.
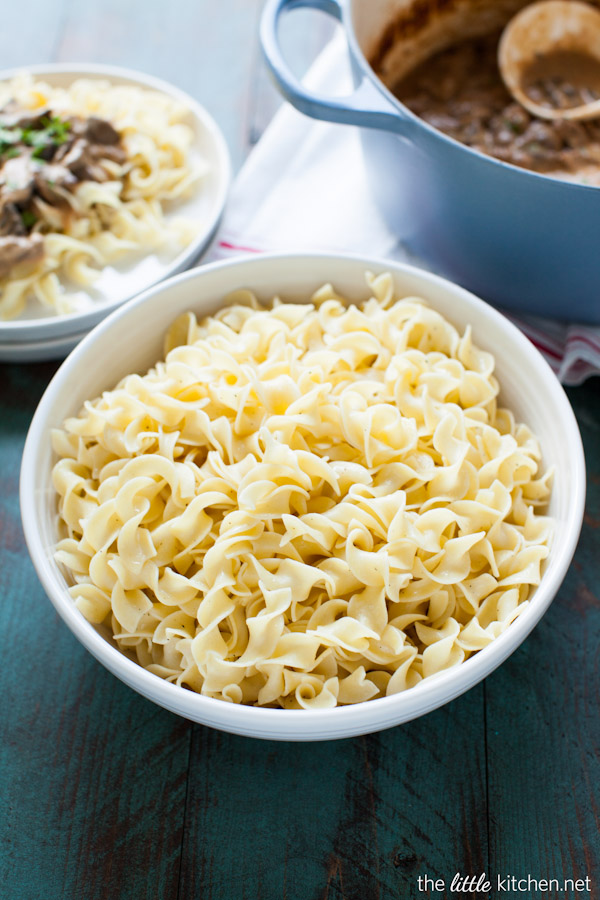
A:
[130,340]
[120,281]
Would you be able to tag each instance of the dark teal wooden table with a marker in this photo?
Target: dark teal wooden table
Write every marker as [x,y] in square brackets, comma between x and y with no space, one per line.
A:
[105,796]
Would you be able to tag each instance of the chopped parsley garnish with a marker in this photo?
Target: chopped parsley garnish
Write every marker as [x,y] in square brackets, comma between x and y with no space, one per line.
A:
[8,138]
[28,218]
[515,127]
[51,132]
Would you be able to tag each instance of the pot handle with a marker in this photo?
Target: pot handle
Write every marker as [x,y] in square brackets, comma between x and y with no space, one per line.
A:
[366,106]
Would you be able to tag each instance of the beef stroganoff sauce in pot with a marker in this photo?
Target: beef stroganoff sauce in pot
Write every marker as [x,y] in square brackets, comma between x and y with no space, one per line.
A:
[460,91]
[451,80]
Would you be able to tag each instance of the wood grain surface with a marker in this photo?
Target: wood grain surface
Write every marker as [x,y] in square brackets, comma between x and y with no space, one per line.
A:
[107,797]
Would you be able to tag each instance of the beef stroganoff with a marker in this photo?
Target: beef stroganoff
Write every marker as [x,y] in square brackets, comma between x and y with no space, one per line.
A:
[305,505]
[87,173]
[460,91]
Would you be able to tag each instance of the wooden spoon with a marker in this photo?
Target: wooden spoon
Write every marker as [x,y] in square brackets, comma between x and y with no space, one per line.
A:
[553,43]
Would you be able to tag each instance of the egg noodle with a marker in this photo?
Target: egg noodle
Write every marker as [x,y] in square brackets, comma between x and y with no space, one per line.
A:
[305,505]
[118,217]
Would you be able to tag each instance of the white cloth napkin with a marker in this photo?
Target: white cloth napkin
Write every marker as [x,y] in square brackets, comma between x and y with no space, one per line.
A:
[304,187]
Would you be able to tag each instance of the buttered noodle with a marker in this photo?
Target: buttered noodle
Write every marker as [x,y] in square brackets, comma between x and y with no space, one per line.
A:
[306,505]
[119,217]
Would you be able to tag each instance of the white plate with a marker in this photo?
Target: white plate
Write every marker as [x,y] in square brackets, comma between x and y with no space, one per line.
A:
[118,283]
[40,351]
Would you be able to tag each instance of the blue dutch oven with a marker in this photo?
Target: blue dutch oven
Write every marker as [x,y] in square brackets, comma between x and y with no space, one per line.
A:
[521,240]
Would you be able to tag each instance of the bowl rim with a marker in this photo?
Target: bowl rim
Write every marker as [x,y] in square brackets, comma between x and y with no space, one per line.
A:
[17,330]
[342,721]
